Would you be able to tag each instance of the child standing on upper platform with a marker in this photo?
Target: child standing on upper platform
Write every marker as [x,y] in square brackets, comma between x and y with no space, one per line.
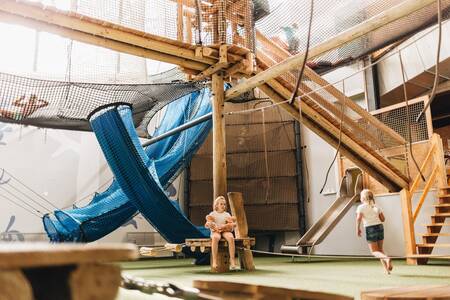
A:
[372,217]
[221,224]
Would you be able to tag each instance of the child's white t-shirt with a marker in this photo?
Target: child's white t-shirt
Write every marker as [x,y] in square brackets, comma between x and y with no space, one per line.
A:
[220,218]
[370,214]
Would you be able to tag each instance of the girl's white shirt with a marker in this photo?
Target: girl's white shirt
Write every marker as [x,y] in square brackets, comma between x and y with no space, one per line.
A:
[370,213]
[220,218]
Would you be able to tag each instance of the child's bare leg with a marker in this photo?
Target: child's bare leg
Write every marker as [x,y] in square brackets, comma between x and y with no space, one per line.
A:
[388,260]
[377,253]
[215,238]
[231,249]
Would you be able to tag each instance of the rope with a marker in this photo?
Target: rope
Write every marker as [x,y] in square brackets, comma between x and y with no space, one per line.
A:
[408,121]
[266,158]
[343,257]
[300,75]
[438,56]
[339,144]
[30,189]
[21,206]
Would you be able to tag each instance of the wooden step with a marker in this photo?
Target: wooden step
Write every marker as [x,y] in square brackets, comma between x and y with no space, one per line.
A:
[437,224]
[443,256]
[433,245]
[443,196]
[441,215]
[441,205]
[435,234]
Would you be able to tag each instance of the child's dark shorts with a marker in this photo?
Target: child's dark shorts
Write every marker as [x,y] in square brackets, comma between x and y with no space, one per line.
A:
[375,233]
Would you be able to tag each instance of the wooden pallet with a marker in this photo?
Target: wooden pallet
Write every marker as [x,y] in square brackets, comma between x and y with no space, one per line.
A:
[31,271]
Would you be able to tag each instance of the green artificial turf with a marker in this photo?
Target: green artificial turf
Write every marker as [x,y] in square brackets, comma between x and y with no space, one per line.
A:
[343,276]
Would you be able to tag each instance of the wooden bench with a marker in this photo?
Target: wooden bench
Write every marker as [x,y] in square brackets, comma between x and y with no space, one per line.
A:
[33,271]
[416,292]
[242,241]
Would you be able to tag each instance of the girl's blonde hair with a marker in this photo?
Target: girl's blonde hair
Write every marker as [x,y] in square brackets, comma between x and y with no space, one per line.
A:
[216,202]
[367,197]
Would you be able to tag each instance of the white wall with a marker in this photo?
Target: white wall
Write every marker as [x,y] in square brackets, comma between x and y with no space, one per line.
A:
[343,240]
[61,166]
[418,54]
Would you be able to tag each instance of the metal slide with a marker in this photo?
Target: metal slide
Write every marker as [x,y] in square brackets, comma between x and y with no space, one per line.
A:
[350,188]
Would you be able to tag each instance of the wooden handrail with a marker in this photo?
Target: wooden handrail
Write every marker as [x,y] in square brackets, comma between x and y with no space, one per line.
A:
[427,187]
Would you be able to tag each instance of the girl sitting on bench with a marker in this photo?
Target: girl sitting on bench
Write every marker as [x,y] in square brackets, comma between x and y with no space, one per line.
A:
[221,224]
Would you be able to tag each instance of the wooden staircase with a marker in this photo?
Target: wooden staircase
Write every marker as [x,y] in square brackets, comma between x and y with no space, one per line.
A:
[439,220]
[322,113]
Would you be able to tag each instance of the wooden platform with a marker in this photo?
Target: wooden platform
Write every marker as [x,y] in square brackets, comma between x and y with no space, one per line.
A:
[34,271]
[417,292]
[234,291]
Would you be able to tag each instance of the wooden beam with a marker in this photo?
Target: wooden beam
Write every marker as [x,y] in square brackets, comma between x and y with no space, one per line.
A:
[408,226]
[219,144]
[283,54]
[222,64]
[100,28]
[396,12]
[102,42]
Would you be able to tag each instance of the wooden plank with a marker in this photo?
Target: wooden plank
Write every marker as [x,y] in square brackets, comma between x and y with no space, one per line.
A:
[219,144]
[25,255]
[77,22]
[102,42]
[417,292]
[392,14]
[408,226]
[232,290]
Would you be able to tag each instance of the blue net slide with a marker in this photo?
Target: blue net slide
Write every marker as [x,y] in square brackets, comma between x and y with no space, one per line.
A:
[166,158]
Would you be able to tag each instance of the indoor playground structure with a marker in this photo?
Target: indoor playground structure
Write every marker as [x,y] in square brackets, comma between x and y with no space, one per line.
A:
[308,116]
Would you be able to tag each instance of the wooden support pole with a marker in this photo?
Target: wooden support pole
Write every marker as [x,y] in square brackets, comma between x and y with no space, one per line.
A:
[219,145]
[408,226]
[396,12]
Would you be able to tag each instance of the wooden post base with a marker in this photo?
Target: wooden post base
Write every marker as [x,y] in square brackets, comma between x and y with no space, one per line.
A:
[223,259]
[61,272]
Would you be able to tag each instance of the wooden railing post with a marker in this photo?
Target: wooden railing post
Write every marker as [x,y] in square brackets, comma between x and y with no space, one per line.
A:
[439,160]
[241,231]
[408,226]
